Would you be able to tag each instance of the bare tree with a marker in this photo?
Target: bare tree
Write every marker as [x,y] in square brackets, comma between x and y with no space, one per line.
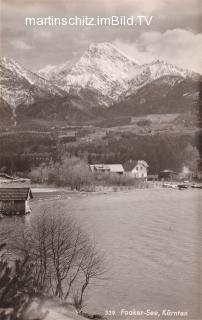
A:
[67,241]
[92,269]
[62,255]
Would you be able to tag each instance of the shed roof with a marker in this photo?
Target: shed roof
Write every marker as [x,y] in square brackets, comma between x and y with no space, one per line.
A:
[167,171]
[6,176]
[115,167]
[15,193]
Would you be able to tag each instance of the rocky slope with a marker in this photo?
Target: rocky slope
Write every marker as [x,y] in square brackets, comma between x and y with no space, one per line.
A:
[6,115]
[169,94]
[21,86]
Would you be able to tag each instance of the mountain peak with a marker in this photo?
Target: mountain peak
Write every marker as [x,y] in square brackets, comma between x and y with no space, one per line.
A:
[15,69]
[100,45]
[106,49]
[110,73]
[21,86]
[9,63]
[158,61]
[161,68]
[5,59]
[102,68]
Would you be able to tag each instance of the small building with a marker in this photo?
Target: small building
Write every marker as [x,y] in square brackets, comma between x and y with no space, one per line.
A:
[98,168]
[152,177]
[67,138]
[108,168]
[35,159]
[15,200]
[115,168]
[167,175]
[136,168]
[7,179]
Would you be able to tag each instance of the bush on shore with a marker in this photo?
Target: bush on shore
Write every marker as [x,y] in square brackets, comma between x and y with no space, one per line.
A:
[64,260]
[75,173]
[118,180]
[72,172]
[16,287]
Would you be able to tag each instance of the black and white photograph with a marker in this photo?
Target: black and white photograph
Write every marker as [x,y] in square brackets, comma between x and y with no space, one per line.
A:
[100,159]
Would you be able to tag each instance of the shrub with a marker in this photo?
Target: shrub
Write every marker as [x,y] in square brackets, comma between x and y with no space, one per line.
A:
[16,287]
[72,172]
[144,122]
[63,258]
[117,180]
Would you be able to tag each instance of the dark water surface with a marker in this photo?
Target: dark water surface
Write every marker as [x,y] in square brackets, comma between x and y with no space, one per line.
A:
[152,243]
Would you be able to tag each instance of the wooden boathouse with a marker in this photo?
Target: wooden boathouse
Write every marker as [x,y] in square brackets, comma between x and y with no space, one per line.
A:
[15,200]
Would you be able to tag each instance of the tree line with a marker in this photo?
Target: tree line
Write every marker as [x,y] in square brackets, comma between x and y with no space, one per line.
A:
[161,152]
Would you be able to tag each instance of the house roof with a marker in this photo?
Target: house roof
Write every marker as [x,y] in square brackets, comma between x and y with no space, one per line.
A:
[108,167]
[130,165]
[15,193]
[115,167]
[6,176]
[98,167]
[167,171]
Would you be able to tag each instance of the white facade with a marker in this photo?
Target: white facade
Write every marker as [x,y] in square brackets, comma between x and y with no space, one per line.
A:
[138,169]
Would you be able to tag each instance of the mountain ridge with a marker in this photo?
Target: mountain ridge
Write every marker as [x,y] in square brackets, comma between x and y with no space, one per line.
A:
[103,78]
[19,85]
[105,68]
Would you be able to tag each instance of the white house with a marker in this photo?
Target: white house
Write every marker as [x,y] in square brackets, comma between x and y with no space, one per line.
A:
[136,168]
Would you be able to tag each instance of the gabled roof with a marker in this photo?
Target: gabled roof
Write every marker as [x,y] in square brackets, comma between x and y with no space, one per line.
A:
[131,164]
[15,193]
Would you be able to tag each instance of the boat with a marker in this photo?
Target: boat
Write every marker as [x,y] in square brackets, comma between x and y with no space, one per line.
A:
[182,186]
[196,186]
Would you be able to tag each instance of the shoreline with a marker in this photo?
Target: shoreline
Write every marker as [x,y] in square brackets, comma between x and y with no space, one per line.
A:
[59,193]
[99,190]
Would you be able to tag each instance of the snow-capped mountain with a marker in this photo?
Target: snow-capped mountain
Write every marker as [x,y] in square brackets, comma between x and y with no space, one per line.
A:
[112,74]
[55,72]
[21,86]
[157,69]
[103,76]
[160,68]
[102,68]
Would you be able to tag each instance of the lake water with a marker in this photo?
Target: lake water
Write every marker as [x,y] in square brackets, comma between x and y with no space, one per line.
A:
[152,243]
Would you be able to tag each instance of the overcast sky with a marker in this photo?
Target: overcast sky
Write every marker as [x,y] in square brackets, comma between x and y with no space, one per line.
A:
[175,34]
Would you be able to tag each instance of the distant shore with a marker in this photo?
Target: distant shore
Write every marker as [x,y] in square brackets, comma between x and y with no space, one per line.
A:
[44,188]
